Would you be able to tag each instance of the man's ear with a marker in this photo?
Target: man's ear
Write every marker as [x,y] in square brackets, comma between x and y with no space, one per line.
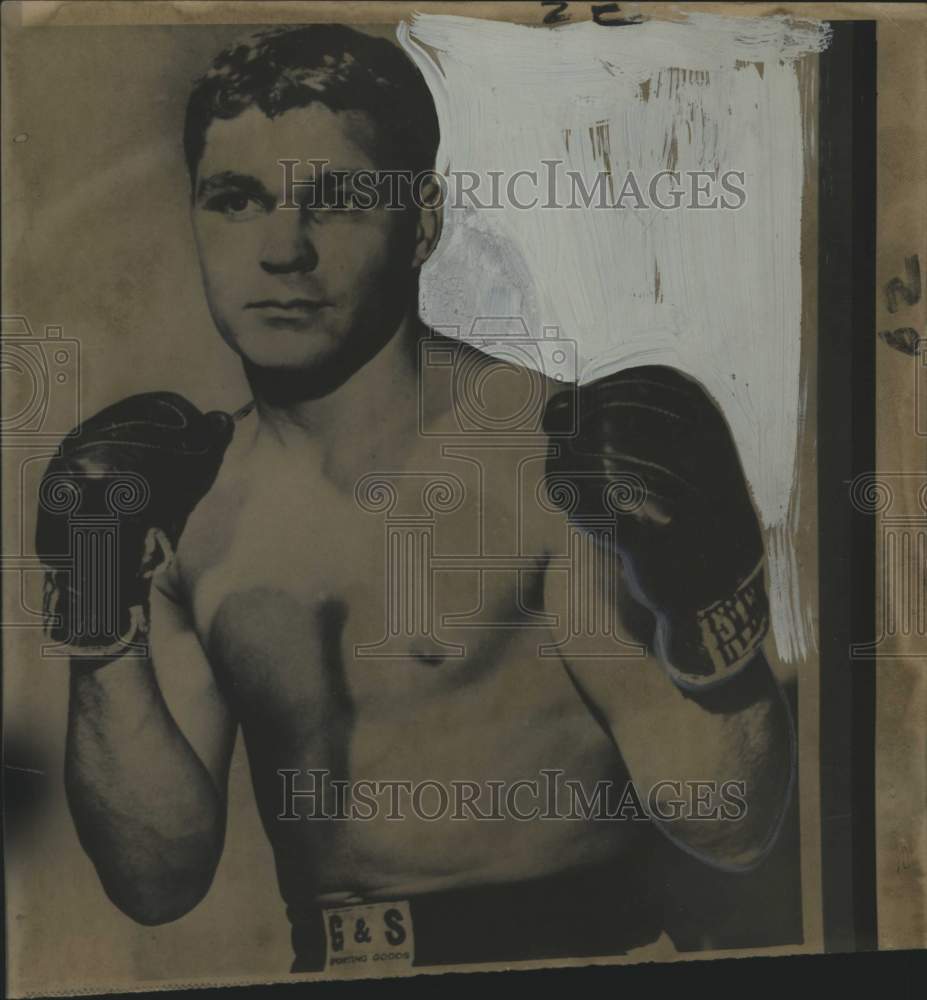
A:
[158,554]
[430,202]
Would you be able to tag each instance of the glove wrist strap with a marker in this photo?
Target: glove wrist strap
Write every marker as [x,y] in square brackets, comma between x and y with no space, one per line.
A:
[731,630]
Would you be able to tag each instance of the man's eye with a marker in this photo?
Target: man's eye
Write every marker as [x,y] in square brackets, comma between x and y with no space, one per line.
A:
[351,201]
[343,199]
[234,205]
[337,195]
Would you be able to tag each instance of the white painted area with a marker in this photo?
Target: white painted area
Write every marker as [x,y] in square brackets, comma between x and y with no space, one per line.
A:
[715,293]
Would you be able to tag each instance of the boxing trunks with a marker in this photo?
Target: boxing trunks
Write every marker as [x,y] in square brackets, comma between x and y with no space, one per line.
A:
[601,910]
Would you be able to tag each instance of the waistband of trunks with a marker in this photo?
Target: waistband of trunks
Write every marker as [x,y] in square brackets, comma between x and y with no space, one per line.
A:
[606,909]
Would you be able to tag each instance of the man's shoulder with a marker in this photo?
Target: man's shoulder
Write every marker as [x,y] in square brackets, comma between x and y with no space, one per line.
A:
[485,390]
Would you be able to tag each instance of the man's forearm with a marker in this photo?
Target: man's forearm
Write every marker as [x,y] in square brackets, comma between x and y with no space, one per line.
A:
[146,809]
[737,736]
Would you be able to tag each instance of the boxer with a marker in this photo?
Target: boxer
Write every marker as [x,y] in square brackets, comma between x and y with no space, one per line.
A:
[256,583]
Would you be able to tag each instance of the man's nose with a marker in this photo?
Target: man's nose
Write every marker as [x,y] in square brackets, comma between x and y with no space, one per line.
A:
[288,246]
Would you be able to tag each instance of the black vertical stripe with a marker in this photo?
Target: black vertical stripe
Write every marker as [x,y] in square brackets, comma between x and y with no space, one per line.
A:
[846,435]
[864,460]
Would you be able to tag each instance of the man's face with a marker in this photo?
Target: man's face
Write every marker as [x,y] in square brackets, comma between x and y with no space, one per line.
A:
[294,288]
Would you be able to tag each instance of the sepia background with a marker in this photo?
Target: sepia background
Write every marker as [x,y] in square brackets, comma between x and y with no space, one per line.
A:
[97,242]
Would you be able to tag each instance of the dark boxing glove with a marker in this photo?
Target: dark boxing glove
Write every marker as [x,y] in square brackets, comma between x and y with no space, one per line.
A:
[651,451]
[137,468]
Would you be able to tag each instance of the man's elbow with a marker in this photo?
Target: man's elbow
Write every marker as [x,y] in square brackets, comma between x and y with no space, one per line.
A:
[741,833]
[161,900]
[158,883]
[728,848]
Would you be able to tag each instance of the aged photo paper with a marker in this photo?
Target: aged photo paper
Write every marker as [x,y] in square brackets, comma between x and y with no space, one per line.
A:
[462,487]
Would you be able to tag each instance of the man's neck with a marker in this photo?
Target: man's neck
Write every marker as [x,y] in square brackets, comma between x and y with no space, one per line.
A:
[369,421]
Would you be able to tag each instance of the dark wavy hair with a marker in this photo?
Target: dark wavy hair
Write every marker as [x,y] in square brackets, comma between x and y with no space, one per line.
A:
[339,67]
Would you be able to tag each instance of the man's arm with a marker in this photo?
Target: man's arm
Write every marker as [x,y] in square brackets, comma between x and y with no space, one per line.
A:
[740,731]
[643,461]
[149,739]
[148,750]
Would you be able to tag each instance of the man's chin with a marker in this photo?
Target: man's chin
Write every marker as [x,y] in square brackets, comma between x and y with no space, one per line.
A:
[286,350]
[283,378]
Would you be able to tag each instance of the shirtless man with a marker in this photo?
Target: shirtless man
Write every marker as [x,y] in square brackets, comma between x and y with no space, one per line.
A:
[254,587]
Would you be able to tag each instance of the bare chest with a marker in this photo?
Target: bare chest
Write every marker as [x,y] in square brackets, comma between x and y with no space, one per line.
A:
[393,631]
[412,585]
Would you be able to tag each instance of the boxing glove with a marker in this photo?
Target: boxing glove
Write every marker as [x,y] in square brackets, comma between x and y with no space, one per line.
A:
[647,453]
[122,484]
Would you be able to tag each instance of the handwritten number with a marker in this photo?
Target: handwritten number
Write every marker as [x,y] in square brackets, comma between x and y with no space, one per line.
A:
[909,293]
[599,12]
[600,9]
[555,16]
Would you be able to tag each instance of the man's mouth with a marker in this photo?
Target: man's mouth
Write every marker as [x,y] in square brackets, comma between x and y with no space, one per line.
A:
[288,305]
